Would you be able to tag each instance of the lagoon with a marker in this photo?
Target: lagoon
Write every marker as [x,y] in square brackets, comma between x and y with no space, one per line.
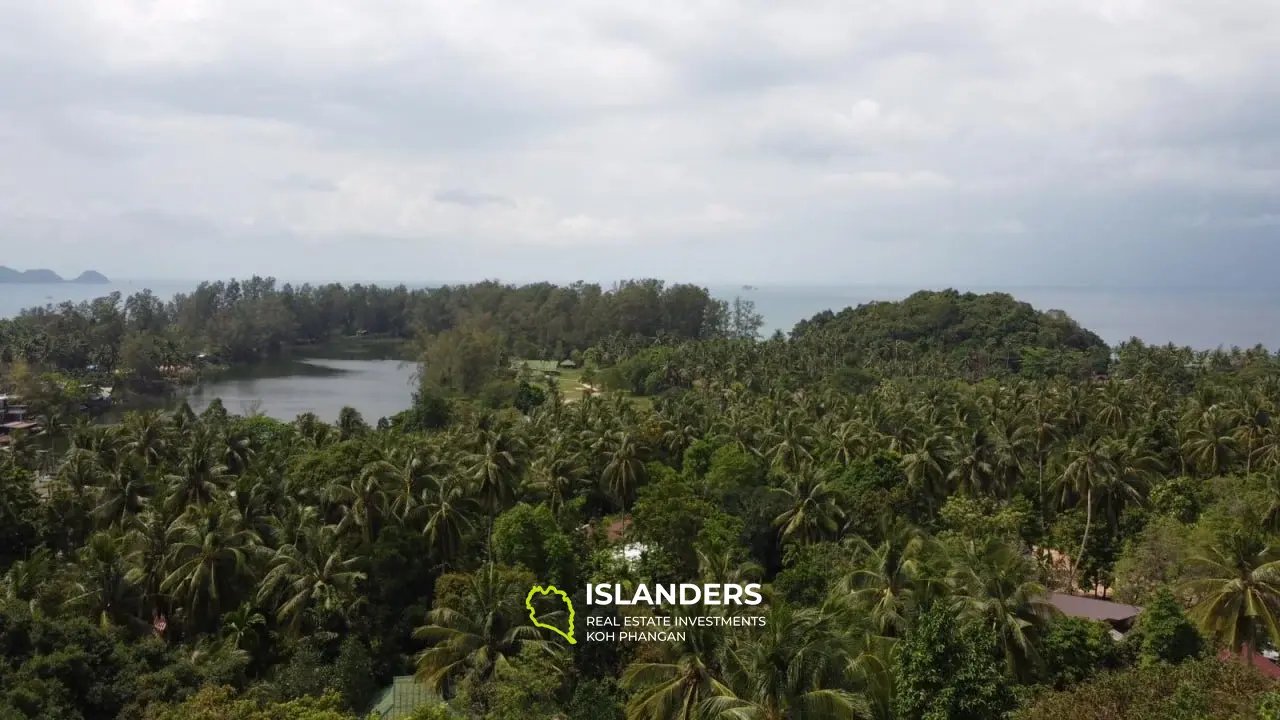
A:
[288,388]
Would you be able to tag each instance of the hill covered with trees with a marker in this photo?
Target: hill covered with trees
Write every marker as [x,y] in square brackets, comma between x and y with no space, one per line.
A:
[908,510]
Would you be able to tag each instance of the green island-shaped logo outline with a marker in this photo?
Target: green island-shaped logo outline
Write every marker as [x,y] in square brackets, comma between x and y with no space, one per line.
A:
[533,614]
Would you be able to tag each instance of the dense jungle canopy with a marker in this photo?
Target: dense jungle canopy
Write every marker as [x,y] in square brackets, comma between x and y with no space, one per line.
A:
[909,482]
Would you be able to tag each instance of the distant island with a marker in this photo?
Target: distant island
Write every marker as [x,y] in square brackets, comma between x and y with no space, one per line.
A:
[49,277]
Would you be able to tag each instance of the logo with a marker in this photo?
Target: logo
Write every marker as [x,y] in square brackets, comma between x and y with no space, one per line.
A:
[533,614]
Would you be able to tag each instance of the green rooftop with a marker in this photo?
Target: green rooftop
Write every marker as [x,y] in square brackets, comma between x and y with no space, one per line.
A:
[403,697]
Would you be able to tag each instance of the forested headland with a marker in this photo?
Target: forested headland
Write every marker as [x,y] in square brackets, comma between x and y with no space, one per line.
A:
[908,481]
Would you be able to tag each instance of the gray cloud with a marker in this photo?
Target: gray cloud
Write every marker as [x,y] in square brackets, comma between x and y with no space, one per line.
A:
[471,199]
[312,184]
[912,142]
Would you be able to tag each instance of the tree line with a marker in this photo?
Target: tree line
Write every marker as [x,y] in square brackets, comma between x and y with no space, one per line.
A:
[245,321]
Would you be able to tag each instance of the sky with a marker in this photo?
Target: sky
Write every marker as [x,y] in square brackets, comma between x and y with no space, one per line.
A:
[1017,142]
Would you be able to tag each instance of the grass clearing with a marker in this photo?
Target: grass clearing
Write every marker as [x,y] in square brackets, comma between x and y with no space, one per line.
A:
[569,379]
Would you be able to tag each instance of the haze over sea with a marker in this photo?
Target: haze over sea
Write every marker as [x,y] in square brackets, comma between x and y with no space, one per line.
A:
[1199,317]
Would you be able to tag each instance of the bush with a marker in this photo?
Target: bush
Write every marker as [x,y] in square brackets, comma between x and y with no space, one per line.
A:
[1200,690]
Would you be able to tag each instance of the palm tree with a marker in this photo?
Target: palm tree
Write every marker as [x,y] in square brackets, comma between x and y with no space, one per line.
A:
[200,479]
[994,584]
[676,684]
[797,667]
[123,495]
[210,557]
[495,469]
[1089,467]
[893,576]
[812,512]
[103,589]
[449,511]
[476,640]
[926,462]
[147,538]
[557,471]
[241,627]
[1237,583]
[23,580]
[1212,441]
[624,469]
[313,576]
[363,501]
[143,436]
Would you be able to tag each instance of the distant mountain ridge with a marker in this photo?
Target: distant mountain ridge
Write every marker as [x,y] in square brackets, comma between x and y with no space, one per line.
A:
[47,277]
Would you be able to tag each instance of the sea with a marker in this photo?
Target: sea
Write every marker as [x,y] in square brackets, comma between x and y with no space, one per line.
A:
[1203,318]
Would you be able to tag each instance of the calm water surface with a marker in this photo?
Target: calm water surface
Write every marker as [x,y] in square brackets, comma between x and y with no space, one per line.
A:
[285,390]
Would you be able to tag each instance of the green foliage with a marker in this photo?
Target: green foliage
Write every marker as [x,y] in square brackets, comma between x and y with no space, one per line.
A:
[529,397]
[1164,632]
[529,536]
[225,703]
[875,488]
[526,690]
[322,665]
[595,700]
[1075,649]
[19,515]
[1156,557]
[977,334]
[884,461]
[946,671]
[1199,690]
[810,571]
[670,512]
[1180,498]
[965,519]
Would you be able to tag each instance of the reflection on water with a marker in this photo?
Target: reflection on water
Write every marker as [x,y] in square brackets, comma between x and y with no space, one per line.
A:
[285,389]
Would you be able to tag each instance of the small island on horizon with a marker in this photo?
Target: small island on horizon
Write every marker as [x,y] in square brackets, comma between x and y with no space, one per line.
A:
[44,276]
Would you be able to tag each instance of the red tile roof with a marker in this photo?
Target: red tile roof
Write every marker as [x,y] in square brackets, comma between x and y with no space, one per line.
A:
[1264,665]
[617,529]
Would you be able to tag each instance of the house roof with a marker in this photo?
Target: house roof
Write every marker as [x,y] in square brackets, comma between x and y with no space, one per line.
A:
[1263,665]
[1092,608]
[19,425]
[616,529]
[404,696]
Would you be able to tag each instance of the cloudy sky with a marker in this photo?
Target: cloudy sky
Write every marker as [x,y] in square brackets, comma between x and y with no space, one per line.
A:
[825,141]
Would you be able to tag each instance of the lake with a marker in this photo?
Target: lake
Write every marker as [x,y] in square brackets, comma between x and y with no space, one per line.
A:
[289,388]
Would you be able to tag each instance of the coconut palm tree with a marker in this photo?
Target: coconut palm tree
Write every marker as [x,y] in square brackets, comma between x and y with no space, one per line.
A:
[201,476]
[448,513]
[1237,586]
[495,468]
[312,576]
[623,471]
[211,560]
[995,584]
[797,667]
[893,576]
[812,511]
[1089,466]
[476,640]
[676,684]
